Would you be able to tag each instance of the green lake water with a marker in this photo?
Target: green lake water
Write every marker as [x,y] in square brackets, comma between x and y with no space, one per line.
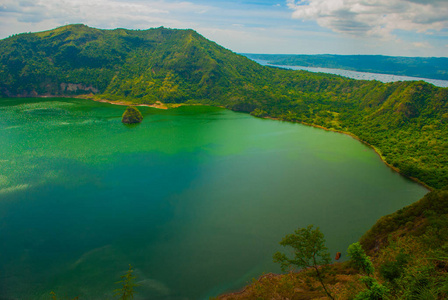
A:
[196,198]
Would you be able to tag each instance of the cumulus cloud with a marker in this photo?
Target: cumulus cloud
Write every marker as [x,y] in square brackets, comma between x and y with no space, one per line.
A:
[101,13]
[422,45]
[373,17]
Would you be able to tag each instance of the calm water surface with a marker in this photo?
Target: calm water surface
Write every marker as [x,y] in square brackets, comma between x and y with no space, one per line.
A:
[195,198]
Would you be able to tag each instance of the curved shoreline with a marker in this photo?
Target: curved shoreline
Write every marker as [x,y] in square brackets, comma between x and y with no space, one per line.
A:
[160,105]
[377,151]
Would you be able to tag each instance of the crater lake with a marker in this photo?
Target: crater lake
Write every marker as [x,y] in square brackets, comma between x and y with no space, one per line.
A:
[195,198]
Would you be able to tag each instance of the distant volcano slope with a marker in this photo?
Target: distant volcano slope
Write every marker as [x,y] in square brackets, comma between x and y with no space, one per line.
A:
[142,66]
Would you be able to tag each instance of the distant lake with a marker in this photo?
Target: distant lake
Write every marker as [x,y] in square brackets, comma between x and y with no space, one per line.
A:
[196,198]
[358,75]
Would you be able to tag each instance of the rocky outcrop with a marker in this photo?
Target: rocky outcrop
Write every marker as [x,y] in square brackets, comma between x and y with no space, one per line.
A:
[73,87]
[132,116]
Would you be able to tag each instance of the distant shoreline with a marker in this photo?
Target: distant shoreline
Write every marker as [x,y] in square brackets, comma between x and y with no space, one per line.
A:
[416,68]
[377,151]
[160,105]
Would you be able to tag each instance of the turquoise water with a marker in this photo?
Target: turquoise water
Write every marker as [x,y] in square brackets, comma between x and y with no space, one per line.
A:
[196,198]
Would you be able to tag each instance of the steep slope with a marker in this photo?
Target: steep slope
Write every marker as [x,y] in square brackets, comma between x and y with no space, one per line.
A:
[68,60]
[145,66]
[405,121]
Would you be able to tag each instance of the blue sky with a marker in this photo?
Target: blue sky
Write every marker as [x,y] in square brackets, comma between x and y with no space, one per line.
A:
[387,27]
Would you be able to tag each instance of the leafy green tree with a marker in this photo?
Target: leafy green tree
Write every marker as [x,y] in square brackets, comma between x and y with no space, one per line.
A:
[309,251]
[376,290]
[360,259]
[127,290]
[259,113]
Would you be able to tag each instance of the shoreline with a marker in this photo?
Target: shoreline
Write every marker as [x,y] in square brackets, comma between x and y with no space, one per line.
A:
[161,105]
[158,104]
[165,106]
[377,151]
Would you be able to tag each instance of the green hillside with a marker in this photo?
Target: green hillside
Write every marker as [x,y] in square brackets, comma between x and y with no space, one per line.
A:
[142,66]
[405,121]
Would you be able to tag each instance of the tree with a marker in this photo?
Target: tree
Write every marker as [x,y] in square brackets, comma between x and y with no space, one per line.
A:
[376,290]
[359,258]
[309,251]
[127,290]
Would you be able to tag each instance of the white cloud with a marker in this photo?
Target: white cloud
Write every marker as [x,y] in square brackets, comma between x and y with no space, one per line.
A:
[98,13]
[269,40]
[373,17]
[422,45]
[245,26]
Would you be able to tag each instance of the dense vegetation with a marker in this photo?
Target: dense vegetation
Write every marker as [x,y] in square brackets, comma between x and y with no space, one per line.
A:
[405,121]
[132,115]
[424,67]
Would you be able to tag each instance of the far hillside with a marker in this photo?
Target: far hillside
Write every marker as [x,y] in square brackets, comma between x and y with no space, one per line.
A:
[424,67]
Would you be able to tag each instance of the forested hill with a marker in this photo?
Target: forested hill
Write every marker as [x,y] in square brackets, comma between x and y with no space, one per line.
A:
[406,121]
[423,67]
[146,66]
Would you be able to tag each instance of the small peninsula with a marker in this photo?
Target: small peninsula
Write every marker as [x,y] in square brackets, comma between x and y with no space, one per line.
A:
[132,116]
